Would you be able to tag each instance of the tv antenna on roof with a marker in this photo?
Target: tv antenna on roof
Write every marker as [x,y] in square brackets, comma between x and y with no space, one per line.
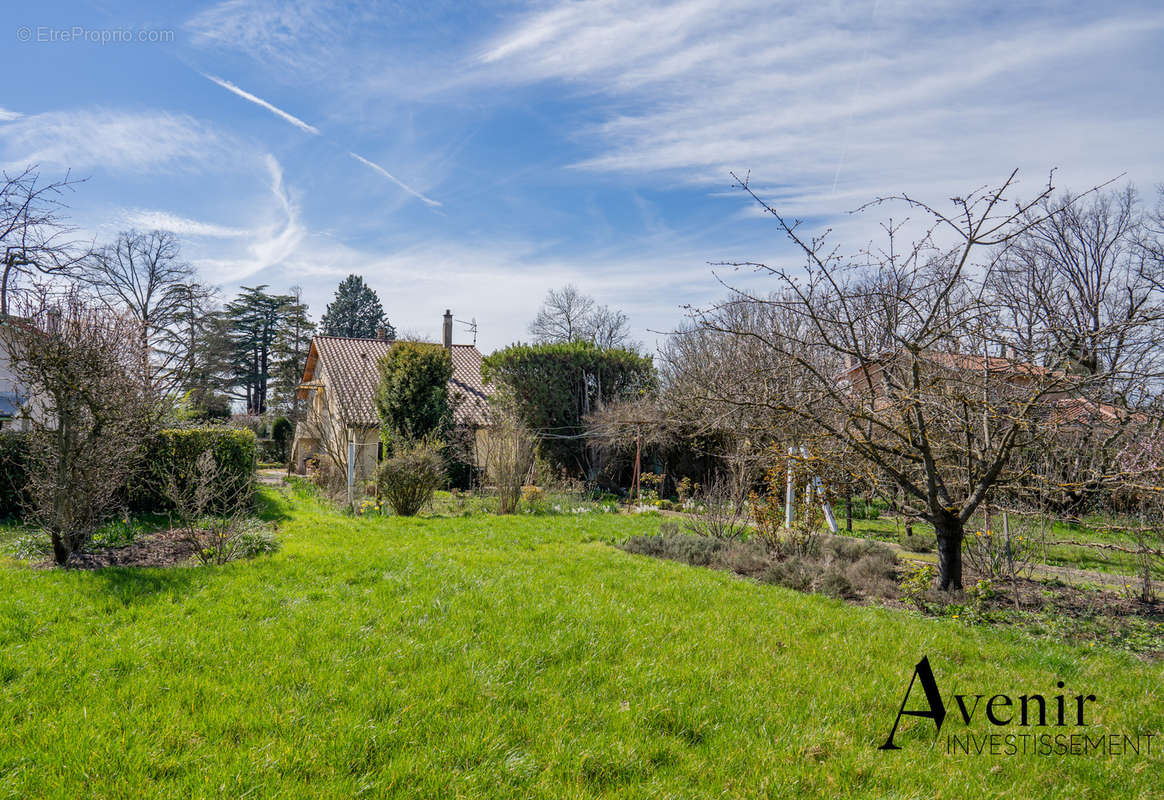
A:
[471,326]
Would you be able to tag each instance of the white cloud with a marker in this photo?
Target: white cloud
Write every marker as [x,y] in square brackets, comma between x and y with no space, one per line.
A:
[294,120]
[112,140]
[292,35]
[8,116]
[183,226]
[269,244]
[839,99]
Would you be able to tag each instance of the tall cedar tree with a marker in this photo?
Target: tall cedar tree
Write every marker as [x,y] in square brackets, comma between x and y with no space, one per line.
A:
[255,320]
[552,388]
[290,352]
[356,311]
[413,397]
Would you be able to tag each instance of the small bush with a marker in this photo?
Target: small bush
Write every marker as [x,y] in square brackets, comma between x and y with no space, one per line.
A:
[916,543]
[255,538]
[723,511]
[698,551]
[793,572]
[833,582]
[32,547]
[534,499]
[282,432]
[835,565]
[408,479]
[874,575]
[981,594]
[916,585]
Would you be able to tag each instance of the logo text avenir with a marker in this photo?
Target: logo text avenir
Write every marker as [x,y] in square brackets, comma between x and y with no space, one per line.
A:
[1000,710]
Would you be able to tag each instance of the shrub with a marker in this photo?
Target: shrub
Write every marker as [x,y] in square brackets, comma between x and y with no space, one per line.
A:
[724,513]
[834,583]
[793,572]
[412,398]
[699,551]
[174,454]
[13,473]
[1004,555]
[270,452]
[916,543]
[981,594]
[255,538]
[408,479]
[508,453]
[874,574]
[916,585]
[534,499]
[282,431]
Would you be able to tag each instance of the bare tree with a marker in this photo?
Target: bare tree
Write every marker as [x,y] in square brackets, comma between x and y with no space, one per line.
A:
[142,274]
[1080,279]
[33,236]
[608,328]
[90,408]
[567,315]
[564,316]
[1078,291]
[898,364]
[507,454]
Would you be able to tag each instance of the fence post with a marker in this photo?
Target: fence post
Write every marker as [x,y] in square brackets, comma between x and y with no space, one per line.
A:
[351,474]
[789,493]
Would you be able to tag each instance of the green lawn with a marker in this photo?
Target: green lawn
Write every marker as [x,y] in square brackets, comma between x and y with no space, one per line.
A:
[518,657]
[889,529]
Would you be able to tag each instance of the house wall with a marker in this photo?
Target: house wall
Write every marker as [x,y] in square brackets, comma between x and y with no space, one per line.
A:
[8,384]
[320,434]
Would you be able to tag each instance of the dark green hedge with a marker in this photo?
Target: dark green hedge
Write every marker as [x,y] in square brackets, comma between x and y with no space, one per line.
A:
[13,472]
[177,450]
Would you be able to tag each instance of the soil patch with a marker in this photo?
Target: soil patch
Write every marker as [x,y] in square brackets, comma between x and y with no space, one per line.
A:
[165,548]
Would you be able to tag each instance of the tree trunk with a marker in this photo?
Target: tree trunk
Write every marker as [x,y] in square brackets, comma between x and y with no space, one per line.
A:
[849,513]
[949,530]
[60,551]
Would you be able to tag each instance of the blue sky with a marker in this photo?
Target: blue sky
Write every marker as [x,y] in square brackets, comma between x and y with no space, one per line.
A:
[473,157]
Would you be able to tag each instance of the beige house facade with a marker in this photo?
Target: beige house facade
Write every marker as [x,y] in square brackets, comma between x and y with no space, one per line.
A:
[339,389]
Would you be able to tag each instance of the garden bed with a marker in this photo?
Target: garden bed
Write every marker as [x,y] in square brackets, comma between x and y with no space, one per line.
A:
[864,572]
[165,548]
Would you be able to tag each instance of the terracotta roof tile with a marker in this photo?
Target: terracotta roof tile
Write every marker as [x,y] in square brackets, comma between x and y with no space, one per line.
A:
[352,367]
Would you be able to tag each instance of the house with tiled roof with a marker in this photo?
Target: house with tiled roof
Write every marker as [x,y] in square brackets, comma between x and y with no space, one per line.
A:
[1061,405]
[339,387]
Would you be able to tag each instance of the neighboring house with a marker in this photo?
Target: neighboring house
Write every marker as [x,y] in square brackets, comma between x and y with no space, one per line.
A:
[13,398]
[1007,378]
[339,385]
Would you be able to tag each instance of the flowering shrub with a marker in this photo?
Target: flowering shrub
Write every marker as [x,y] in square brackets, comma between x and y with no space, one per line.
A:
[534,499]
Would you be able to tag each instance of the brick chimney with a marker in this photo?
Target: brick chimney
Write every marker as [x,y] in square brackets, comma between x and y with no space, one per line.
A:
[381,333]
[448,329]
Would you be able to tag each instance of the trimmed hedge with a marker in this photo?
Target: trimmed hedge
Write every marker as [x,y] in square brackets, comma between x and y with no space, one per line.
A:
[13,473]
[176,451]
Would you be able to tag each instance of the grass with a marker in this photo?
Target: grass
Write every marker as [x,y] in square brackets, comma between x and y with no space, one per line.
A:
[890,529]
[479,656]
